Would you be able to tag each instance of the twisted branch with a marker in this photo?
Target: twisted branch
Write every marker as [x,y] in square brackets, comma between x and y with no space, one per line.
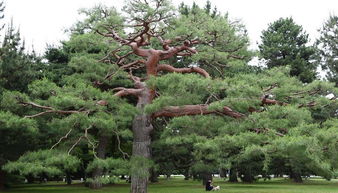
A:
[119,146]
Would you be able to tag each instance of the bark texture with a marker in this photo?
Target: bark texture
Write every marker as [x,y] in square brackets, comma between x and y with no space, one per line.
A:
[141,143]
[176,111]
[101,153]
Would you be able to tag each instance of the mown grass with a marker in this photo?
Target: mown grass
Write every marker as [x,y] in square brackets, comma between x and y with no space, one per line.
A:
[177,185]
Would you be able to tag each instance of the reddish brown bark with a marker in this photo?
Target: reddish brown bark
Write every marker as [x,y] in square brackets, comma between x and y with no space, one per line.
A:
[266,101]
[168,68]
[176,111]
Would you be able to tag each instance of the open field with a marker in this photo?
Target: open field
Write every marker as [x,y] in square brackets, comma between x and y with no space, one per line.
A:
[181,186]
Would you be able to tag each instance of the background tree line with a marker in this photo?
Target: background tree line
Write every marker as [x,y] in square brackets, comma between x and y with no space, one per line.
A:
[62,118]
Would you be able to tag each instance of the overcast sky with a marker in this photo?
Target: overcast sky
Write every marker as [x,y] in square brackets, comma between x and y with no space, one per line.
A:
[44,21]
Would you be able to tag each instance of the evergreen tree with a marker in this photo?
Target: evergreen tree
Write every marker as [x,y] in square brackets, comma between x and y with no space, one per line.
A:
[68,90]
[223,43]
[128,83]
[17,68]
[285,43]
[2,9]
[328,48]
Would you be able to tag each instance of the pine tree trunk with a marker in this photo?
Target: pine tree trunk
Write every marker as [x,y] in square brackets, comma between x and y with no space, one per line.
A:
[296,177]
[153,175]
[68,179]
[141,153]
[30,179]
[2,179]
[101,153]
[141,145]
[233,175]
[186,174]
[222,173]
[206,177]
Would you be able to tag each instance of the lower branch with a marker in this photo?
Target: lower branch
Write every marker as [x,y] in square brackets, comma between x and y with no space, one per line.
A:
[176,111]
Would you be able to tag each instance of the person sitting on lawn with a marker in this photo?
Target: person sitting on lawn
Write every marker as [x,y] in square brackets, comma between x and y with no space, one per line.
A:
[209,186]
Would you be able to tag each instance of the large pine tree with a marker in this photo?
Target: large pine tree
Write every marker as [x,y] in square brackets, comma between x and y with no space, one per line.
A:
[286,43]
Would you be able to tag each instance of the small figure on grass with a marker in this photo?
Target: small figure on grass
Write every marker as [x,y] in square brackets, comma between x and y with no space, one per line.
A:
[210,187]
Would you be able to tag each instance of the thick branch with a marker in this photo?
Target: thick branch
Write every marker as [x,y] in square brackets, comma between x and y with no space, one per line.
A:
[127,91]
[176,111]
[139,51]
[168,68]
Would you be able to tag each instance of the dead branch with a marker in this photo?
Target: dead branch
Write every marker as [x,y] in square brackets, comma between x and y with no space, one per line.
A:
[75,144]
[35,105]
[49,110]
[62,138]
[87,138]
[125,155]
[55,111]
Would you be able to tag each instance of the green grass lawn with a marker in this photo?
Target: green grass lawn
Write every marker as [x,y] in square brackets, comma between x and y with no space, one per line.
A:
[176,185]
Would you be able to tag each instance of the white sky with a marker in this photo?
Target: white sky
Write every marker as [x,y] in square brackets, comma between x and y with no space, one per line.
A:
[44,21]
